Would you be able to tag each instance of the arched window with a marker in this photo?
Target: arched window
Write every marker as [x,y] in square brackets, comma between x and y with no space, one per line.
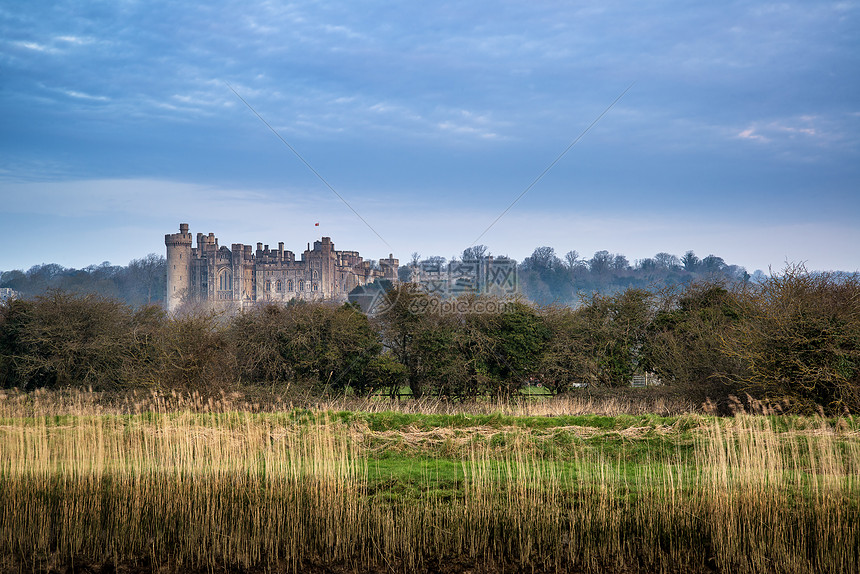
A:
[268,285]
[316,286]
[279,286]
[225,281]
[301,285]
[289,284]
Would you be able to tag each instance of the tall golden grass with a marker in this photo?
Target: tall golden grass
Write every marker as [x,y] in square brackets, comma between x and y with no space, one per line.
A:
[212,488]
[72,401]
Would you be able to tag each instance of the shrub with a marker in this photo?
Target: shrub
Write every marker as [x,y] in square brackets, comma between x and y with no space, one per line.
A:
[194,351]
[60,339]
[326,344]
[800,339]
[687,338]
[613,329]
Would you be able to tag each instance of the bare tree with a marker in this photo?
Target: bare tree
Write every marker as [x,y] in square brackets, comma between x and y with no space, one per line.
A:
[667,260]
[620,263]
[475,252]
[573,260]
[601,262]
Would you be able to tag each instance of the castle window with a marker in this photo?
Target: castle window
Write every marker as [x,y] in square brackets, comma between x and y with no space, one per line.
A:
[225,281]
[268,285]
[279,285]
[316,286]
[301,285]
[289,285]
[315,275]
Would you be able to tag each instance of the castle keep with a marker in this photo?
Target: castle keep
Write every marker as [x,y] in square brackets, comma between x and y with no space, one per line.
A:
[240,276]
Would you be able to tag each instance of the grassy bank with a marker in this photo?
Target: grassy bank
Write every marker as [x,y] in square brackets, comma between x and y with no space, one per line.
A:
[213,486]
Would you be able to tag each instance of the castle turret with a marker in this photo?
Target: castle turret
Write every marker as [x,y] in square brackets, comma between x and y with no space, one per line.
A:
[178,266]
[389,268]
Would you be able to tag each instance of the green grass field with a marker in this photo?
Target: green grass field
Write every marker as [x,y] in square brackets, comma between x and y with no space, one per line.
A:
[194,485]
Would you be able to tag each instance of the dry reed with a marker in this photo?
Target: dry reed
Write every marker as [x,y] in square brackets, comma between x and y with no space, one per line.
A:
[206,487]
[73,401]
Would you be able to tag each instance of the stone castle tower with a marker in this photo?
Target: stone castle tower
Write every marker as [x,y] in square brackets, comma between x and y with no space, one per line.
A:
[241,276]
[178,266]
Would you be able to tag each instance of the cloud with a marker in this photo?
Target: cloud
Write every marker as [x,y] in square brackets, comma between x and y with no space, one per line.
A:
[819,130]
[52,47]
[75,40]
[36,47]
[343,31]
[460,128]
[749,134]
[83,96]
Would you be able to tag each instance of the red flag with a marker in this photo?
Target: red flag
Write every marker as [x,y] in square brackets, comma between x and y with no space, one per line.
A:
[316,224]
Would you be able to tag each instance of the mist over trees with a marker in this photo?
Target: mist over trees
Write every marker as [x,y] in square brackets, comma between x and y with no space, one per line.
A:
[142,282]
[545,277]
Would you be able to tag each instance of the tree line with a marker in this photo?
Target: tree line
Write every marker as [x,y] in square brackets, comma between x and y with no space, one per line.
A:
[544,277]
[792,337]
[142,282]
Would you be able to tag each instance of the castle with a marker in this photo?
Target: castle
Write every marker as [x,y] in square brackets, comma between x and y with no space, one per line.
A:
[241,276]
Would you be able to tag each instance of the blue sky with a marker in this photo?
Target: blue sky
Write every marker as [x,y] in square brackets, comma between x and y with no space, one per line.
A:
[739,137]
